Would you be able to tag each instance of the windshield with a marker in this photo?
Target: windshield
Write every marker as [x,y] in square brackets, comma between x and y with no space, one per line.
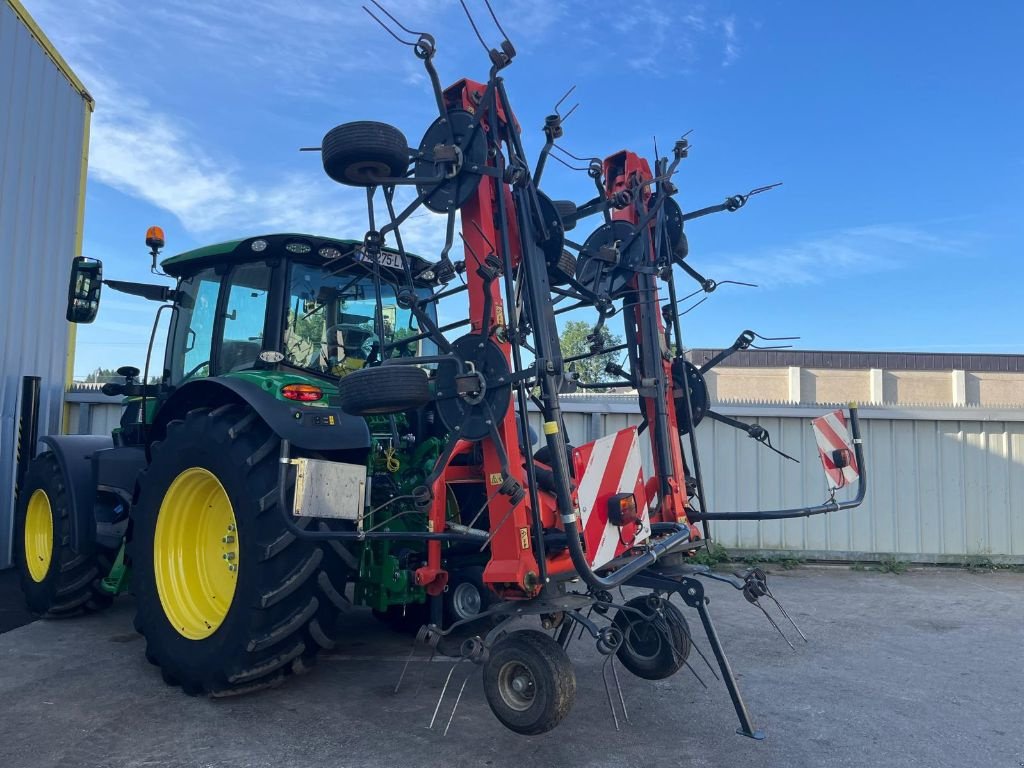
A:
[331,320]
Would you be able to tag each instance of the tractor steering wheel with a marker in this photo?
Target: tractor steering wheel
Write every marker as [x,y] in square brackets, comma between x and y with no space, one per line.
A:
[194,370]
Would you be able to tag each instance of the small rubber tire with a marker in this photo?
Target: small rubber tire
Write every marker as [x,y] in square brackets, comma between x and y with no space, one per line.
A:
[656,649]
[563,272]
[460,602]
[72,582]
[387,389]
[567,211]
[357,154]
[529,682]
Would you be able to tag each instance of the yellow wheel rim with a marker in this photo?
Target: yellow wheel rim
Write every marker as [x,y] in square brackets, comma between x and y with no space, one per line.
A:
[38,535]
[195,553]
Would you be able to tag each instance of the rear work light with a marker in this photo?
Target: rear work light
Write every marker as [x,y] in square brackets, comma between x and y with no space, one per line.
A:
[622,509]
[303,393]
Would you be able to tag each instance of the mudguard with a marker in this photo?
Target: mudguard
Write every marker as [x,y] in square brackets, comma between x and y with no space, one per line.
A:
[316,428]
[74,454]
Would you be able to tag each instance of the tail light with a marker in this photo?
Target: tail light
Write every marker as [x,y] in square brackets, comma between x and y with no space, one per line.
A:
[303,393]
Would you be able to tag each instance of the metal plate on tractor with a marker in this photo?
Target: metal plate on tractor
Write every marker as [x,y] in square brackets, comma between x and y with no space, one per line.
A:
[329,489]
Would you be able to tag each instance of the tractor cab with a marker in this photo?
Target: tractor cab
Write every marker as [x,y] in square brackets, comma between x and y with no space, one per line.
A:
[291,304]
[287,302]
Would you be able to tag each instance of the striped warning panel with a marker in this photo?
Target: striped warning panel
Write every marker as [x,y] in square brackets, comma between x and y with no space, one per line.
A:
[605,467]
[831,434]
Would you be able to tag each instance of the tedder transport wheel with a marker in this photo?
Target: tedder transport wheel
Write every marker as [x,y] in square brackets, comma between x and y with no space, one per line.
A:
[466,595]
[227,598]
[385,389]
[56,580]
[653,649]
[529,682]
[359,153]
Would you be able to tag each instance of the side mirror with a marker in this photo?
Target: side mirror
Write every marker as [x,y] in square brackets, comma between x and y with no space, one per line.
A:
[84,289]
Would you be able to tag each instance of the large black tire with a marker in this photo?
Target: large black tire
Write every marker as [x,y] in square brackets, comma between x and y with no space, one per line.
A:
[529,682]
[287,593]
[386,389]
[66,583]
[358,153]
[653,649]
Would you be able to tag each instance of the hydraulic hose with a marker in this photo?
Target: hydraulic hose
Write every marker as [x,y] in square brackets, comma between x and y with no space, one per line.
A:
[818,509]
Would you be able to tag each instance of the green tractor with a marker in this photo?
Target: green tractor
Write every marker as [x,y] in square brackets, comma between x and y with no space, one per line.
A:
[182,503]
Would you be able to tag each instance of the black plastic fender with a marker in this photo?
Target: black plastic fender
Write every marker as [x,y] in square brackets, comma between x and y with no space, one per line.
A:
[74,454]
[310,427]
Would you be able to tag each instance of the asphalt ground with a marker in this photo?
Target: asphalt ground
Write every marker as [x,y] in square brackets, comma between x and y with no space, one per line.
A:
[924,668]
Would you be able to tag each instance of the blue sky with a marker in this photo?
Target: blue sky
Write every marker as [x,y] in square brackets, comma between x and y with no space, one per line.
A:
[895,127]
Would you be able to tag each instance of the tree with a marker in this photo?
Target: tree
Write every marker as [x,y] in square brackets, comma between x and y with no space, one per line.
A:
[574,342]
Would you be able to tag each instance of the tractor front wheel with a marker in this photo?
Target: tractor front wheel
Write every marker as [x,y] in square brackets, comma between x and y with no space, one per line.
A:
[56,580]
[227,598]
[529,682]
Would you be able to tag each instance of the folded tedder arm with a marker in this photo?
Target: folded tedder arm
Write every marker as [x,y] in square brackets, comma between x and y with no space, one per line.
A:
[566,513]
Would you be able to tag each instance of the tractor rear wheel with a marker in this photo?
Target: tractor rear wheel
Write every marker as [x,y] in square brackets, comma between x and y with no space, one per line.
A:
[529,682]
[228,598]
[56,580]
[653,648]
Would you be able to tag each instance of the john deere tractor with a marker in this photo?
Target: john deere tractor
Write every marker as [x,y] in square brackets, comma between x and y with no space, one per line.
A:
[181,501]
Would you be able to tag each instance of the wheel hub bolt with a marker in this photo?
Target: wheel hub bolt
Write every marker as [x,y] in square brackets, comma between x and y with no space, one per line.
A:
[228,540]
[229,555]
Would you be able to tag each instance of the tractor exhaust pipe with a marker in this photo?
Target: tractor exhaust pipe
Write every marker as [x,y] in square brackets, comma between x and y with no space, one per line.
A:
[28,427]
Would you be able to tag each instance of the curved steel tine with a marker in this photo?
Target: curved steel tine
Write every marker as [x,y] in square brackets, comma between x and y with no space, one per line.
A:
[386,27]
[772,622]
[786,614]
[608,690]
[404,28]
[423,673]
[456,705]
[443,691]
[405,667]
[473,25]
[618,687]
[498,23]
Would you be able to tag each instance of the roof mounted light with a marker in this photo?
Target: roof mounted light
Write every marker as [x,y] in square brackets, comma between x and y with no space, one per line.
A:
[259,245]
[298,247]
[329,252]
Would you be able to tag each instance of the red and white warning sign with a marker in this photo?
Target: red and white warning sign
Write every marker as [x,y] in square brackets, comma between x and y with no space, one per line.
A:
[609,466]
[835,447]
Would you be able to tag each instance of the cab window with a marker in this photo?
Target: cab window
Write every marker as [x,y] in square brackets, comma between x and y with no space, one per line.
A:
[245,312]
[188,355]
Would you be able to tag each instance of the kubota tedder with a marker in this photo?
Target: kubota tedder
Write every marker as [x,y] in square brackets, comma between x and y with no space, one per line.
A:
[315,427]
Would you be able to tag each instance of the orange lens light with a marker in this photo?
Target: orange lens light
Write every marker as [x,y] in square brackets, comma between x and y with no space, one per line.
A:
[622,509]
[303,393]
[155,237]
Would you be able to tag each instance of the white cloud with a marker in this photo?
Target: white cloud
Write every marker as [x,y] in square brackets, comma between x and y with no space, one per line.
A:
[851,251]
[732,47]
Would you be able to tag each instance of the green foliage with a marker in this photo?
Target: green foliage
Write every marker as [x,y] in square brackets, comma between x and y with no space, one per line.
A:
[711,555]
[574,342]
[892,565]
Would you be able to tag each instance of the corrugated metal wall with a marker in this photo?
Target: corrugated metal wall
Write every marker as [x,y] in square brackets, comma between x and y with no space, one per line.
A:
[43,118]
[945,484]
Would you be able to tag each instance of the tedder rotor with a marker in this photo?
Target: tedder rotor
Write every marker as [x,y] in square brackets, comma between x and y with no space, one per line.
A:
[314,426]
